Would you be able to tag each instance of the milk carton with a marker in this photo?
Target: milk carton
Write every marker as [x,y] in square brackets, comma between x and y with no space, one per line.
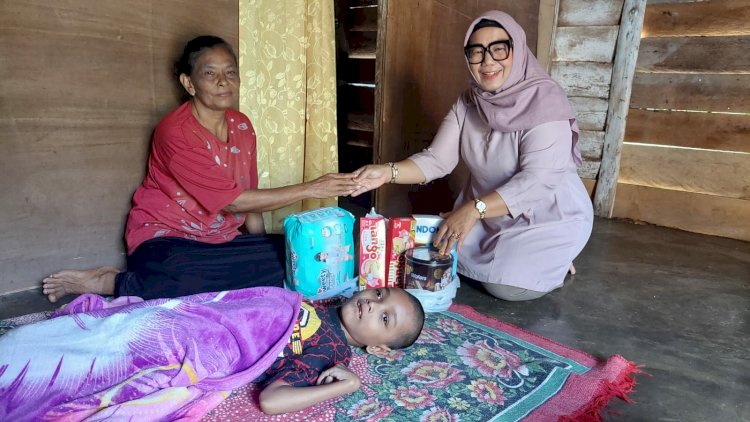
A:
[425,228]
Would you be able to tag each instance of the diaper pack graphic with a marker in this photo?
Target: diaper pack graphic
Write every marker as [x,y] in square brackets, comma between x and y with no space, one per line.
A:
[319,250]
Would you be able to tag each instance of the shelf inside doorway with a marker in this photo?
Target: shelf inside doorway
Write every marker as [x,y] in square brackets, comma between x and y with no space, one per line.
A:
[357,85]
[359,143]
[356,4]
[365,27]
[364,51]
[363,122]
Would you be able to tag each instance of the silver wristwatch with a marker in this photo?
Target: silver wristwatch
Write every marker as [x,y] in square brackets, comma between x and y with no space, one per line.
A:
[481,207]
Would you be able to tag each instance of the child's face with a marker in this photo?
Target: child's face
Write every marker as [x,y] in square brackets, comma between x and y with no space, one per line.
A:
[376,317]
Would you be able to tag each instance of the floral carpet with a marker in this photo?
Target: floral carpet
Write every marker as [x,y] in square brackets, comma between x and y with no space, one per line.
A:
[465,367]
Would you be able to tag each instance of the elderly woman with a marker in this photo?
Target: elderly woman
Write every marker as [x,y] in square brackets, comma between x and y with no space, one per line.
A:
[183,232]
[524,214]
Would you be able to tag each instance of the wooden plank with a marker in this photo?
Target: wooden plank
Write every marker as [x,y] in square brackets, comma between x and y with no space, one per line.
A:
[526,13]
[583,79]
[360,121]
[590,184]
[704,92]
[380,63]
[591,144]
[692,170]
[411,112]
[365,51]
[695,55]
[591,113]
[626,54]
[695,212]
[706,18]
[714,131]
[590,12]
[585,44]
[37,36]
[547,28]
[359,143]
[589,169]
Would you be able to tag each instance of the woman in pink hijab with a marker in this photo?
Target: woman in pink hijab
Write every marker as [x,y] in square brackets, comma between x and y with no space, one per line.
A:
[524,214]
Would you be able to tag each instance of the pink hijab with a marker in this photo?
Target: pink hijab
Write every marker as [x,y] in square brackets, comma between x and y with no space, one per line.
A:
[529,97]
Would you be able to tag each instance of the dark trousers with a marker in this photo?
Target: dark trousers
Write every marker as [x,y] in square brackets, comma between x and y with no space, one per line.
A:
[167,267]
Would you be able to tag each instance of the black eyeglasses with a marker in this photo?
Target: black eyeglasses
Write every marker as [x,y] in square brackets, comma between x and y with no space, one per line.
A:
[499,50]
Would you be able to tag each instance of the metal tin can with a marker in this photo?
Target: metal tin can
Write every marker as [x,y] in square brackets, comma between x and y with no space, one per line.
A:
[426,269]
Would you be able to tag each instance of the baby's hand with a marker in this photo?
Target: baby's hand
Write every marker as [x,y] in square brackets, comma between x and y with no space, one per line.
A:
[339,373]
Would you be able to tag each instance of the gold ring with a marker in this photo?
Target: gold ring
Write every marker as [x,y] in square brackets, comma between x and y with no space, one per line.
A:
[456,236]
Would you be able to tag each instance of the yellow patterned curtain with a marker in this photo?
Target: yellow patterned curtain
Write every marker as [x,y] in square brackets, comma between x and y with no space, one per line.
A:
[288,69]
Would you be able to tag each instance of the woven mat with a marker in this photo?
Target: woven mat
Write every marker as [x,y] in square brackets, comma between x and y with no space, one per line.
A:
[465,367]
[11,323]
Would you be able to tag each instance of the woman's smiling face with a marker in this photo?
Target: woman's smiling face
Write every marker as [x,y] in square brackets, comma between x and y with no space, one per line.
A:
[490,74]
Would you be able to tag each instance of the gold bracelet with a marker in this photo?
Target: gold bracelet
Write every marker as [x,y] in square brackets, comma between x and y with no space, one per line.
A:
[394,172]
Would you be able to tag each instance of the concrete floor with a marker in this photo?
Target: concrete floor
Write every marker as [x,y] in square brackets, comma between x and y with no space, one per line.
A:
[677,303]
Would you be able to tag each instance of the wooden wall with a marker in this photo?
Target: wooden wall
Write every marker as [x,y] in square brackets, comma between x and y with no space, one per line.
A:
[686,160]
[581,59]
[423,73]
[83,84]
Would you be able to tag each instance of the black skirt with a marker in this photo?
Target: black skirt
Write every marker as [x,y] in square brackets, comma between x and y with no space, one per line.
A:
[167,267]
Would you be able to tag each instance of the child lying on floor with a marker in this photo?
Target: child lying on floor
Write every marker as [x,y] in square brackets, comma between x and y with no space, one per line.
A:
[380,320]
[179,358]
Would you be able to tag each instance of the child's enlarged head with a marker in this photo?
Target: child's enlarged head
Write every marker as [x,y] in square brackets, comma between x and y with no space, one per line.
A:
[382,319]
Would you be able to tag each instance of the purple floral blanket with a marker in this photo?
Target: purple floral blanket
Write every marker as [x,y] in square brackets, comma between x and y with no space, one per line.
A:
[163,359]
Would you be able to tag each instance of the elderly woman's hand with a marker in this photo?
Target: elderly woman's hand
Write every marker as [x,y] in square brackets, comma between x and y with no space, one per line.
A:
[332,184]
[458,223]
[371,176]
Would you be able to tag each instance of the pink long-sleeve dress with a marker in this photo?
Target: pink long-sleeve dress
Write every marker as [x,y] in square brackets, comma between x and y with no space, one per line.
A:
[534,171]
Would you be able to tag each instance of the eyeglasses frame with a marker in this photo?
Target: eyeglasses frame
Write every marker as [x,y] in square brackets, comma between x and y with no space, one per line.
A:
[485,50]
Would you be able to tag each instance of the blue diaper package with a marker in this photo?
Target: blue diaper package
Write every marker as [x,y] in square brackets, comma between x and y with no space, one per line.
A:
[319,250]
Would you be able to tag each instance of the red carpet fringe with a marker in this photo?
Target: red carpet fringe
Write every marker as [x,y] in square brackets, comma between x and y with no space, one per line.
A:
[620,388]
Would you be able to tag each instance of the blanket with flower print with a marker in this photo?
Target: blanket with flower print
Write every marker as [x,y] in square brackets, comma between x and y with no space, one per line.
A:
[465,367]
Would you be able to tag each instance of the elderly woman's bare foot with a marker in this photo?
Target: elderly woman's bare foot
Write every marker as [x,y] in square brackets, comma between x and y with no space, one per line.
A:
[572,269]
[99,281]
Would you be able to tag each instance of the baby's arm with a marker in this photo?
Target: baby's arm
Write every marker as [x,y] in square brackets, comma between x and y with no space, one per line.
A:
[280,397]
